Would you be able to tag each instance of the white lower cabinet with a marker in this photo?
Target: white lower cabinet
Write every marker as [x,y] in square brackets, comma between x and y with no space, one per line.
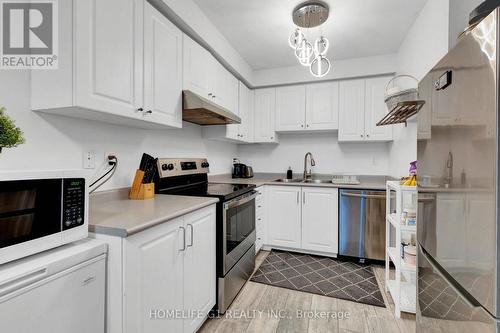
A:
[154,278]
[319,209]
[302,218]
[199,266]
[260,219]
[163,272]
[283,227]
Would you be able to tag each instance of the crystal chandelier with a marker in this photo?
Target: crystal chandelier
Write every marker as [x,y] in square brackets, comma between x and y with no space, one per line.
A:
[312,55]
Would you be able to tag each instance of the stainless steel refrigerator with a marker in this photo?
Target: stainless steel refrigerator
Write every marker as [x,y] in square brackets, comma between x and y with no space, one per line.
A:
[458,284]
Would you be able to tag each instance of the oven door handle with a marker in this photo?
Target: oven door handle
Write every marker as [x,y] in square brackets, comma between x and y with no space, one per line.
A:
[240,201]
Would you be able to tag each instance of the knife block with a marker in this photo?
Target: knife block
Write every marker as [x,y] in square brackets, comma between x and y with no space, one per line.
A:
[140,191]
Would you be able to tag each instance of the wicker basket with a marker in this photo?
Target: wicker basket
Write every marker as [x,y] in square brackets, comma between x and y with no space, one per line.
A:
[407,95]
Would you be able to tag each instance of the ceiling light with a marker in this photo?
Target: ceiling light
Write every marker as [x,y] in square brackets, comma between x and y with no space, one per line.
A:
[296,38]
[320,66]
[310,15]
[321,45]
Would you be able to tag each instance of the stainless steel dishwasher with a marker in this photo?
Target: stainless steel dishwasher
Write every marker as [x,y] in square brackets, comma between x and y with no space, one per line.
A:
[362,224]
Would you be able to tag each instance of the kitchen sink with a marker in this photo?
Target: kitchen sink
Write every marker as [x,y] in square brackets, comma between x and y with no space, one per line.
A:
[309,181]
[317,181]
[284,180]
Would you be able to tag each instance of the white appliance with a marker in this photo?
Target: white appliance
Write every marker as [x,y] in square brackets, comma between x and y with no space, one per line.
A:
[57,291]
[40,210]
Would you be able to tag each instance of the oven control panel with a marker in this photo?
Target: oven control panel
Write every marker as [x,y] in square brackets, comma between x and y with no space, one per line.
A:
[73,202]
[171,167]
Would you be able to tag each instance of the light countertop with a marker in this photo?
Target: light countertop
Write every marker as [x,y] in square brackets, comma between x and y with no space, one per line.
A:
[259,179]
[112,213]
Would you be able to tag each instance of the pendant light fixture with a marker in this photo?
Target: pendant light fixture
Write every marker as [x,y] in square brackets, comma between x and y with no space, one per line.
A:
[313,55]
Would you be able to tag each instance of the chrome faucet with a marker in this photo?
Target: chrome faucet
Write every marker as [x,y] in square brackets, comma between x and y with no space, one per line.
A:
[308,174]
[449,170]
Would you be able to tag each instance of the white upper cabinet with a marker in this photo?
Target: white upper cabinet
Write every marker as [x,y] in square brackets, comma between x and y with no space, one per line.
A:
[162,68]
[322,106]
[264,115]
[375,110]
[198,69]
[352,110]
[225,91]
[205,76]
[109,58]
[313,107]
[290,108]
[103,65]
[361,106]
[239,133]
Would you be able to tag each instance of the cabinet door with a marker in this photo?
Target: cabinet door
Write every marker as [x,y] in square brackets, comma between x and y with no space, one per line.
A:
[322,108]
[480,230]
[290,108]
[244,111]
[375,110]
[352,110]
[225,88]
[162,69]
[198,66]
[199,266]
[233,131]
[320,219]
[284,216]
[265,102]
[109,46]
[153,267]
[450,229]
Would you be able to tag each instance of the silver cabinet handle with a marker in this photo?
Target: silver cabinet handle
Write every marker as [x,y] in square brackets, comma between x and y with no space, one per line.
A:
[304,197]
[183,239]
[297,198]
[192,237]
[363,196]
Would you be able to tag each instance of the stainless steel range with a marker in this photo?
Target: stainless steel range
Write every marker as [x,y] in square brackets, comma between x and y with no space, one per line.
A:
[235,220]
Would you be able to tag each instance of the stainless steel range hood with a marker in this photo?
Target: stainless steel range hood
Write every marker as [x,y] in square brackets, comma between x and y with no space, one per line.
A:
[202,111]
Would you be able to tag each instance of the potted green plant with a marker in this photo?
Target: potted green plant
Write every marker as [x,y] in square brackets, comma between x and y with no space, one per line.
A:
[10,135]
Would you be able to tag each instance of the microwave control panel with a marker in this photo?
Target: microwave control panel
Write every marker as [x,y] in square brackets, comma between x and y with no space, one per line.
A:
[73,202]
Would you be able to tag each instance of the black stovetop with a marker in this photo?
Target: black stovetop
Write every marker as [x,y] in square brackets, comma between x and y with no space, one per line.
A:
[224,192]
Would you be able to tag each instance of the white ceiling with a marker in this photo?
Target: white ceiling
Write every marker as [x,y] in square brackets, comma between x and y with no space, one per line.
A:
[259,29]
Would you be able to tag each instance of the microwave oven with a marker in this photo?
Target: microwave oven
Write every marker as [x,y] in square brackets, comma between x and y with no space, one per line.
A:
[40,211]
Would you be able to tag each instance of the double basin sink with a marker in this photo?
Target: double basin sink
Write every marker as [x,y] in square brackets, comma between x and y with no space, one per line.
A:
[304,181]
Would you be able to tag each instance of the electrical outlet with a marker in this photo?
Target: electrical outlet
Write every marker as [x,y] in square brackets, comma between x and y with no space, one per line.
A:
[89,160]
[106,154]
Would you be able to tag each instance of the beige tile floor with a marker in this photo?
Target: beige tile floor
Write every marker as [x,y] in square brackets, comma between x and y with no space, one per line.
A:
[252,312]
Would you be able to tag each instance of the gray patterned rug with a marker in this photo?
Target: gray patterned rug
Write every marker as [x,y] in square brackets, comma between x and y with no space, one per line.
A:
[320,275]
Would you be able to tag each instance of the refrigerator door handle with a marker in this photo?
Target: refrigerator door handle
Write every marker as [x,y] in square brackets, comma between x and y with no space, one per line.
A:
[463,294]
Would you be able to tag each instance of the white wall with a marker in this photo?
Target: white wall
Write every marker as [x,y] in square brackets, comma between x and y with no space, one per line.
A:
[425,44]
[54,142]
[341,69]
[330,155]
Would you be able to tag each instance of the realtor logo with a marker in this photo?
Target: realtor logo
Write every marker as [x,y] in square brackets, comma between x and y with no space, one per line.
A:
[28,34]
